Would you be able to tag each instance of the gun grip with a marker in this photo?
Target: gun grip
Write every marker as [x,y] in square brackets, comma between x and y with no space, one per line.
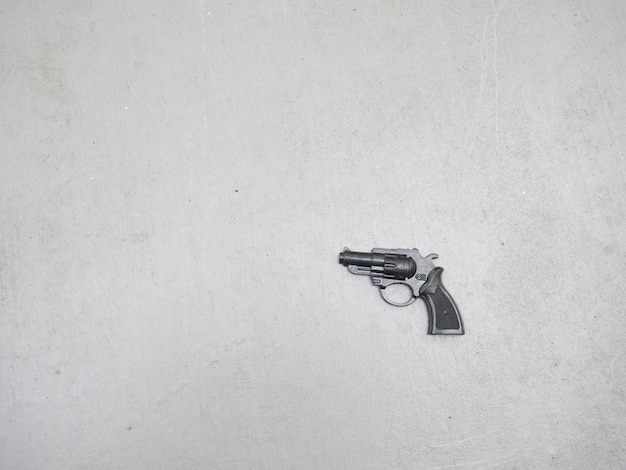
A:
[443,314]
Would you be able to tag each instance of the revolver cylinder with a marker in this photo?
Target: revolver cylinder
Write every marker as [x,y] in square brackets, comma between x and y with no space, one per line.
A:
[389,266]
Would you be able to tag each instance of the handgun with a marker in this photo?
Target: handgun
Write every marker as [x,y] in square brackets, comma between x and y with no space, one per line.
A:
[387,267]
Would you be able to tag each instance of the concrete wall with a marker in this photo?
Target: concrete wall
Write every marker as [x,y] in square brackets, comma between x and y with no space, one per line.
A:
[178,179]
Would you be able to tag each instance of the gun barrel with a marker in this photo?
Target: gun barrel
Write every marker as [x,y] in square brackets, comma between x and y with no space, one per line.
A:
[357,258]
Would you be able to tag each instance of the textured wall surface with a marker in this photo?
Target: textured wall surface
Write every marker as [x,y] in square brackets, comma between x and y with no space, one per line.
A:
[178,178]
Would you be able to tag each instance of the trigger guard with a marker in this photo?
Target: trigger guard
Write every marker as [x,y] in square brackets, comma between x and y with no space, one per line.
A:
[412,299]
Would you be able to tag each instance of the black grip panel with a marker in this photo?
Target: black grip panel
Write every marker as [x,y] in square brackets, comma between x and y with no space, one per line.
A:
[443,314]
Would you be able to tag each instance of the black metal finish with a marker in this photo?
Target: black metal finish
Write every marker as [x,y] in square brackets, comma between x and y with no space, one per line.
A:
[386,267]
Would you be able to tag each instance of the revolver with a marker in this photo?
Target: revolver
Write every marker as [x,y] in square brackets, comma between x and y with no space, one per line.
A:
[387,267]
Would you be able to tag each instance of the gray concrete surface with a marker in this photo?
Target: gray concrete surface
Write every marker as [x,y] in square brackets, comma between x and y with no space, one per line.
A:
[178,178]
